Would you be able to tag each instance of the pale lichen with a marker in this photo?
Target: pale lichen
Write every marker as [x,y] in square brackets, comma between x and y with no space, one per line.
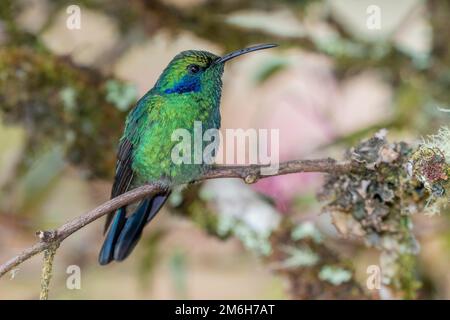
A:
[121,95]
[334,275]
[439,141]
[306,230]
[299,257]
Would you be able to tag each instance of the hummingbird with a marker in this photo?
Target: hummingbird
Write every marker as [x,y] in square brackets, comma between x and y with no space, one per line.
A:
[188,90]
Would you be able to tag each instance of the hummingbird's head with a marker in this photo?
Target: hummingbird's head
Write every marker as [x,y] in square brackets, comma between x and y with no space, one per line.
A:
[197,71]
[188,72]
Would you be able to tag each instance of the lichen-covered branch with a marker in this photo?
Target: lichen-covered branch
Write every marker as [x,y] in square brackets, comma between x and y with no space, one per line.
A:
[47,267]
[377,204]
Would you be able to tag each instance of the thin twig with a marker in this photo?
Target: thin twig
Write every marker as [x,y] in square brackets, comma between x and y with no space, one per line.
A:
[249,174]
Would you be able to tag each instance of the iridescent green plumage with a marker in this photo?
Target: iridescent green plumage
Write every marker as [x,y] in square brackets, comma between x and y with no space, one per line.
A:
[187,91]
[159,114]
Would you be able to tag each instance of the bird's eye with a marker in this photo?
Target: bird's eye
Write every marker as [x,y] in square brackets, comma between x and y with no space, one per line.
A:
[193,68]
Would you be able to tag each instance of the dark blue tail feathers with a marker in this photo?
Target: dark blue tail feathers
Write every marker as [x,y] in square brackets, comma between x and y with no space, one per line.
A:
[107,251]
[124,233]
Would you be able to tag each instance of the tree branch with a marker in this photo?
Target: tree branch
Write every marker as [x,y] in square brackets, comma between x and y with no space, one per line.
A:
[250,174]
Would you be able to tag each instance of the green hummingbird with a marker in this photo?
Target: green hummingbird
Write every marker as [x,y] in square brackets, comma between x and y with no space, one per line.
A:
[188,90]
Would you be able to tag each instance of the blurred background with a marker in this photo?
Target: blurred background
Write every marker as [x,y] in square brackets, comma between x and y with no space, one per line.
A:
[343,70]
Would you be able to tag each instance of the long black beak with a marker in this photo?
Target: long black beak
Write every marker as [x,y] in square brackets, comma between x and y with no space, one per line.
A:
[238,53]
